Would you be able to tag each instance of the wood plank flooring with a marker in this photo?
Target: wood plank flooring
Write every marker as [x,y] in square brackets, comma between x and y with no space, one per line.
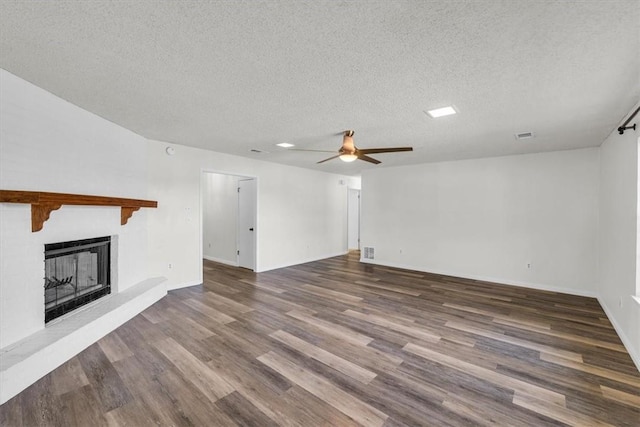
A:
[340,343]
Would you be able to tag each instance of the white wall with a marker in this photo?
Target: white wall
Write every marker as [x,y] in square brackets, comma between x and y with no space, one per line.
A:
[619,235]
[220,217]
[302,214]
[489,218]
[48,144]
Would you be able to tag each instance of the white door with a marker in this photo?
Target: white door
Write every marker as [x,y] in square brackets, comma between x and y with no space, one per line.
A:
[353,224]
[247,223]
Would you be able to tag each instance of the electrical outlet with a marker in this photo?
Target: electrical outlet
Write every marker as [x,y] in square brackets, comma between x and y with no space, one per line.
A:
[170,266]
[529,265]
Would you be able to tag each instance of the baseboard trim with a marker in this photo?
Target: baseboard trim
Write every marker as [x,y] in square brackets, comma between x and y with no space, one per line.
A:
[221,261]
[497,280]
[184,285]
[635,357]
[303,261]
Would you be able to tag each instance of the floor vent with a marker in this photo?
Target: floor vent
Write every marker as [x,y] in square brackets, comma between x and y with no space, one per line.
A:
[368,253]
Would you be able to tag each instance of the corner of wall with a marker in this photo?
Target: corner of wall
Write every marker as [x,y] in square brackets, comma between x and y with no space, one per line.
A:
[634,352]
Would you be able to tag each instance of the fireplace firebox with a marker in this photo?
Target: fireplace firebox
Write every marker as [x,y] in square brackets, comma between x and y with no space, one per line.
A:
[76,273]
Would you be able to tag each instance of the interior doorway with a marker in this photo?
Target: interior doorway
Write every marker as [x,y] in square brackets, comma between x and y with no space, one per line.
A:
[229,207]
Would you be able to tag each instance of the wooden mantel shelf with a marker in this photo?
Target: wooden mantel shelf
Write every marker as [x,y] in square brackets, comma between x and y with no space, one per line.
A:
[42,204]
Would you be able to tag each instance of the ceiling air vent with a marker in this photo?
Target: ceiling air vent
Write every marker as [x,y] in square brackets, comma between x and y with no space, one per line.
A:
[524,135]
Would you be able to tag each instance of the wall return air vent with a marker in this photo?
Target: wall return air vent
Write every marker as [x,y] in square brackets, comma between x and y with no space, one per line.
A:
[524,135]
[368,253]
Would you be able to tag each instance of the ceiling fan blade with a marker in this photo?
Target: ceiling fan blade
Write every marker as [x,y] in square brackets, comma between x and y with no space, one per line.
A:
[367,158]
[330,158]
[315,151]
[384,150]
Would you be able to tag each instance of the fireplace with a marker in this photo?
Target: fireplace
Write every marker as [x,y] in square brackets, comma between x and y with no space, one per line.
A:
[76,273]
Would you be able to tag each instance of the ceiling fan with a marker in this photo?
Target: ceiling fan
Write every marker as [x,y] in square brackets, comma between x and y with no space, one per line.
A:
[349,152]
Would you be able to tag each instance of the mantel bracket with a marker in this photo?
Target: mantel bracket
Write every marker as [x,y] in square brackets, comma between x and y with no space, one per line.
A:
[126,212]
[40,213]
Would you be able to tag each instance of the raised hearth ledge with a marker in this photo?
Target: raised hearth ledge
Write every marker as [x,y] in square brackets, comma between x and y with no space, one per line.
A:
[43,203]
[26,361]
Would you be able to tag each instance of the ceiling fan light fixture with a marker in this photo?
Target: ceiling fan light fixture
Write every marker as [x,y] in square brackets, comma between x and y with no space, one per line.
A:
[348,157]
[350,153]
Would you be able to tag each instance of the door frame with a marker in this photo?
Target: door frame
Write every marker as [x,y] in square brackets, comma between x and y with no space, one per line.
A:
[204,171]
[349,191]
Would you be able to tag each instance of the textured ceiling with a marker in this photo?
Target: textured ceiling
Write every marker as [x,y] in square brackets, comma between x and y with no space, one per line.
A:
[235,75]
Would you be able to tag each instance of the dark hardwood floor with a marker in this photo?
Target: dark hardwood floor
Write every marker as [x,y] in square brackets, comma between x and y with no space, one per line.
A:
[339,343]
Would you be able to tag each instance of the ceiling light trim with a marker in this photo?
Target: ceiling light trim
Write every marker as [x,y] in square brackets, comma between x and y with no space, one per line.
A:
[436,113]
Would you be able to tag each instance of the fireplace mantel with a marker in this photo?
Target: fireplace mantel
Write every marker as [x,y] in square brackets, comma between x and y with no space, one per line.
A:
[42,204]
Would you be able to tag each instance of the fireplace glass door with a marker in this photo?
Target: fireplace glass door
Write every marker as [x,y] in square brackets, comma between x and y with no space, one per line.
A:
[76,273]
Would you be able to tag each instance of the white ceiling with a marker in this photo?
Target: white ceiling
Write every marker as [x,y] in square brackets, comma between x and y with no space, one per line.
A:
[235,75]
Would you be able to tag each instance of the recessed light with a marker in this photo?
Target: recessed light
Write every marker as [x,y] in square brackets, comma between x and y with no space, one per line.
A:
[441,112]
[285,145]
